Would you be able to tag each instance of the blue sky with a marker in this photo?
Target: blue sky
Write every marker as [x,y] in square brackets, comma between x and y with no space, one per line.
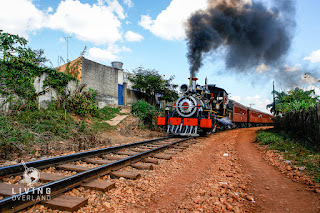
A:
[151,34]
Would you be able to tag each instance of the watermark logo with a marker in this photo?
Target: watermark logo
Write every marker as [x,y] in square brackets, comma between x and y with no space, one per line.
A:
[31,175]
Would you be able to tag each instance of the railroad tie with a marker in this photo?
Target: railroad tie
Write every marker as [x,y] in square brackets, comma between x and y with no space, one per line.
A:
[7,189]
[150,160]
[140,150]
[67,203]
[171,152]
[111,157]
[179,147]
[130,153]
[162,156]
[183,145]
[94,161]
[124,174]
[151,146]
[177,150]
[72,167]
[99,185]
[48,177]
[142,166]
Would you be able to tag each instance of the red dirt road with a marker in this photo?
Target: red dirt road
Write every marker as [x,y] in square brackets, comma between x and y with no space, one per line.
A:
[282,194]
[205,180]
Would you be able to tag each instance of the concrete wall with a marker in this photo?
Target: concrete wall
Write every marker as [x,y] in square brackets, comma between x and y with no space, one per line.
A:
[102,78]
[51,94]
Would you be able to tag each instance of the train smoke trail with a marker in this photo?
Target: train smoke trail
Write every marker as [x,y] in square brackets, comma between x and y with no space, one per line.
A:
[250,32]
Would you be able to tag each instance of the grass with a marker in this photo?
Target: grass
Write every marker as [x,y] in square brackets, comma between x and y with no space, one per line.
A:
[292,149]
[53,123]
[20,132]
[107,113]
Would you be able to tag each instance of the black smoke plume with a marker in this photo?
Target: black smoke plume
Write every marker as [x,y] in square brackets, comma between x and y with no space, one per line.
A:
[250,33]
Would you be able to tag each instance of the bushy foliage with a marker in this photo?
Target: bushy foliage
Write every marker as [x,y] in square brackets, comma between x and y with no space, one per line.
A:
[82,102]
[151,82]
[295,100]
[20,65]
[146,112]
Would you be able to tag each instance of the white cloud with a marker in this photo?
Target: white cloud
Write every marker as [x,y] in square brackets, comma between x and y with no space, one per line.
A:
[94,23]
[128,3]
[314,57]
[146,22]
[257,102]
[252,98]
[308,79]
[295,68]
[315,88]
[20,17]
[132,36]
[262,105]
[106,55]
[49,10]
[170,23]
[98,54]
[97,23]
[113,5]
[261,68]
[236,98]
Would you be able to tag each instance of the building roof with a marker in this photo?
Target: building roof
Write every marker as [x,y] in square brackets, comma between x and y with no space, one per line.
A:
[73,68]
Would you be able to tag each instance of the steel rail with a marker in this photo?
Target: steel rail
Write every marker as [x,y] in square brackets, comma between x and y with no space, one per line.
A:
[40,164]
[16,202]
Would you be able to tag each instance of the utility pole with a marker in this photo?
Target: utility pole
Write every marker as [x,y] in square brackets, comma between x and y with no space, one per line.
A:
[274,103]
[251,105]
[67,40]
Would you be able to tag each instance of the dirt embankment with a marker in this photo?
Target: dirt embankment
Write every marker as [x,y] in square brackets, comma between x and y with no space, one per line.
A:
[125,132]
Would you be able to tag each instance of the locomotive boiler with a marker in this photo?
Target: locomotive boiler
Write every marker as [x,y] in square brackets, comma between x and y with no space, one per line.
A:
[205,109]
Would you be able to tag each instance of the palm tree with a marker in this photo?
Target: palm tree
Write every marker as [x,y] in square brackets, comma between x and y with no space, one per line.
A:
[279,99]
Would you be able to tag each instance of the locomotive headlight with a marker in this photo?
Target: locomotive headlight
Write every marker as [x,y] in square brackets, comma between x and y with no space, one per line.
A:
[184,88]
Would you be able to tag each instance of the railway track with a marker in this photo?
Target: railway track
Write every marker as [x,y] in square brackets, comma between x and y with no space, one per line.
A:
[106,161]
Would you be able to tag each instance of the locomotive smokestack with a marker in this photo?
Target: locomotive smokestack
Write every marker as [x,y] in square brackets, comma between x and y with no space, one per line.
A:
[193,84]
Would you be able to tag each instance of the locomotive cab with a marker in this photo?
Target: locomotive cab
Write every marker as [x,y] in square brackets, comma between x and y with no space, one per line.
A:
[219,99]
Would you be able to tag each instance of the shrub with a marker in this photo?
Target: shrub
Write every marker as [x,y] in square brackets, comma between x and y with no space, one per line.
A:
[146,112]
[81,102]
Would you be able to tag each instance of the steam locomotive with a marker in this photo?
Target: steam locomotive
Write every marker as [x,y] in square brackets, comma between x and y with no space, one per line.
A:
[205,109]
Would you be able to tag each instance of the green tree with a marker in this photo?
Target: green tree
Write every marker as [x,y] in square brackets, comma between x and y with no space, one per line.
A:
[8,44]
[294,100]
[151,83]
[19,67]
